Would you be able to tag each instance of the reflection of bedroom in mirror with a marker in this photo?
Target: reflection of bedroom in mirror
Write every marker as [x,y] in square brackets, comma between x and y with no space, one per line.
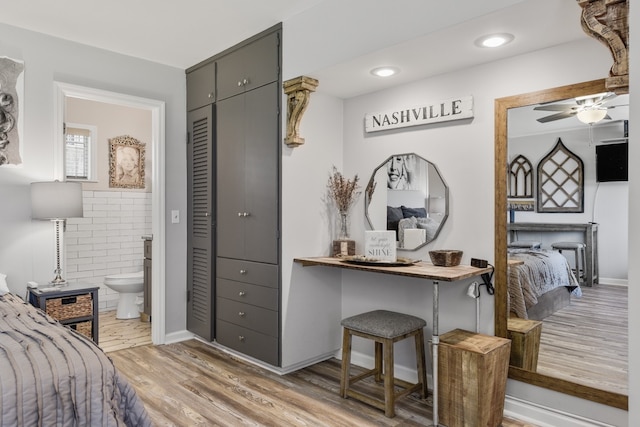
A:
[407,194]
[561,275]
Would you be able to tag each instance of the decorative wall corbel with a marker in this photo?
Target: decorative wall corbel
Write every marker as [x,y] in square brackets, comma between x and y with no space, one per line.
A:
[608,22]
[298,91]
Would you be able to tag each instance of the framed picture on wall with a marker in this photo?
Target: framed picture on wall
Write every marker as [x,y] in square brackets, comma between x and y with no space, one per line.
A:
[126,162]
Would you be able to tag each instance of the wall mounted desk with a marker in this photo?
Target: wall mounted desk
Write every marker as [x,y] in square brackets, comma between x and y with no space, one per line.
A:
[589,230]
[420,270]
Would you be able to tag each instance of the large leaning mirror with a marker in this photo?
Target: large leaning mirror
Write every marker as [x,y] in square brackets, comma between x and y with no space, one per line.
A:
[407,194]
[592,370]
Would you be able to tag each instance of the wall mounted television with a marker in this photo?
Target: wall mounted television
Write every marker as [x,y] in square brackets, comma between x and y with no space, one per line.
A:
[612,162]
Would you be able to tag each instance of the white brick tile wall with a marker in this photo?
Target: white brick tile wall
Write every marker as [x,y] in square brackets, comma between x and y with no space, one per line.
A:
[107,240]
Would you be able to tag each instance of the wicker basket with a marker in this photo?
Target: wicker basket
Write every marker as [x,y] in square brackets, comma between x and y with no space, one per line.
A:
[445,257]
[70,307]
[85,328]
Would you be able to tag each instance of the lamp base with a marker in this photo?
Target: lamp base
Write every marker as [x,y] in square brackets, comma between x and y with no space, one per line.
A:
[58,281]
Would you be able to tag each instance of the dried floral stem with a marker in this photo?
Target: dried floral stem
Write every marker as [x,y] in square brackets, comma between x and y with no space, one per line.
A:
[343,191]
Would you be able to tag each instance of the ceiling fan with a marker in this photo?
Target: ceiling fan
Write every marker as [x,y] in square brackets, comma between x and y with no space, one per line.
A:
[588,109]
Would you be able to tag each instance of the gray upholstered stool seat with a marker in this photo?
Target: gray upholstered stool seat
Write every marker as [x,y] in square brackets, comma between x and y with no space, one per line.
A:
[524,244]
[384,328]
[580,257]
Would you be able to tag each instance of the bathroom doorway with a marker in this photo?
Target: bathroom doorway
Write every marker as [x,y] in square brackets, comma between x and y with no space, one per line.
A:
[110,238]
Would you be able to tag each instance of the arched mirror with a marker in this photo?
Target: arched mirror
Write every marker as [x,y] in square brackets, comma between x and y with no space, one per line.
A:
[407,194]
[590,367]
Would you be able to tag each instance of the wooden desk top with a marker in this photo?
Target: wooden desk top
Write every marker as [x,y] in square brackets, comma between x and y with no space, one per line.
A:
[420,270]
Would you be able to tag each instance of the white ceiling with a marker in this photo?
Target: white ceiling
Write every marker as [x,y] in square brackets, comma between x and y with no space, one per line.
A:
[421,37]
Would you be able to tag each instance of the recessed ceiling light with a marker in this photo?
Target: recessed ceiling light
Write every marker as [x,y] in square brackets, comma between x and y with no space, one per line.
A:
[494,40]
[385,71]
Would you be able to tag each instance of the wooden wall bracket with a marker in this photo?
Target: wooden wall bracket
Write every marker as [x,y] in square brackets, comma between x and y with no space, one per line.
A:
[608,22]
[298,91]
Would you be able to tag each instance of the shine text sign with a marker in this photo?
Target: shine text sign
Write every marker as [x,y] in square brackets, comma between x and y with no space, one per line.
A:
[443,111]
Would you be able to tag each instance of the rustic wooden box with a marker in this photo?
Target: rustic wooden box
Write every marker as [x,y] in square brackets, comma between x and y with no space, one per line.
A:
[472,377]
[525,342]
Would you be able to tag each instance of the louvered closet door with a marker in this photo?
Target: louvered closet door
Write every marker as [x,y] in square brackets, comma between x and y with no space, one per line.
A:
[200,194]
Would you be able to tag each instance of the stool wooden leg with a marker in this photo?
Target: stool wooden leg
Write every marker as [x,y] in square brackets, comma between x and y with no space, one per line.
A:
[389,395]
[378,361]
[346,362]
[420,358]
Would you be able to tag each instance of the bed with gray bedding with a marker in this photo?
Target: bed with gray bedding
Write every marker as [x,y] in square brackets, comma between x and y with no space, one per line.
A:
[51,375]
[543,273]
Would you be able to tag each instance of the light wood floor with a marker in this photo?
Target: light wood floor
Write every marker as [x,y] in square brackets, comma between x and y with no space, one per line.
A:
[194,384]
[586,342]
[116,334]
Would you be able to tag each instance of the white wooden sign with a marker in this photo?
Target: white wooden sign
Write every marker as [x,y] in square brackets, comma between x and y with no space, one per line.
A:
[443,111]
[380,245]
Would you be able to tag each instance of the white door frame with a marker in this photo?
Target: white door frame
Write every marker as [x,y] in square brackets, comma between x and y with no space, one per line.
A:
[157,109]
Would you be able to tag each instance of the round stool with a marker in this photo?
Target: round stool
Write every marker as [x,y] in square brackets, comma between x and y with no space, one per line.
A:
[385,328]
[524,244]
[580,257]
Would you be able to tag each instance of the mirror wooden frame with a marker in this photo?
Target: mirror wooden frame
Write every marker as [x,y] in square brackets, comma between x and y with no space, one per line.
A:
[502,105]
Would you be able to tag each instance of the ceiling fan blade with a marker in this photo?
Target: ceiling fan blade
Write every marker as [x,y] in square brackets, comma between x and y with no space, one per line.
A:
[555,107]
[553,117]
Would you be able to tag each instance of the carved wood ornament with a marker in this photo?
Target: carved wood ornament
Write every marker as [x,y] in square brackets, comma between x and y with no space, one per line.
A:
[608,22]
[298,91]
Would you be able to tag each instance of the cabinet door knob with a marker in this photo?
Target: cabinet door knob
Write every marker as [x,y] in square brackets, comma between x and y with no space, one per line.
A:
[241,313]
[240,214]
[243,271]
[210,95]
[245,81]
[206,214]
[245,214]
[241,338]
[242,293]
[239,83]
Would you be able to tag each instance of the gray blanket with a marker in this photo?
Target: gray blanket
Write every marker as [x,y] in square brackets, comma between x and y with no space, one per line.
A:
[542,271]
[53,376]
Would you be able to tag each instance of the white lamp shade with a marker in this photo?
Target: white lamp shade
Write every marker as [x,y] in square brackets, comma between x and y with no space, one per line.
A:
[56,200]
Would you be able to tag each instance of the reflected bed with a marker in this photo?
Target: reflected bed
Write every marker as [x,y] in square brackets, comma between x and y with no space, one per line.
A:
[541,284]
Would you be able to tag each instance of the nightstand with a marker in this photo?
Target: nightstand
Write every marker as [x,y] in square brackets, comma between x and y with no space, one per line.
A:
[74,305]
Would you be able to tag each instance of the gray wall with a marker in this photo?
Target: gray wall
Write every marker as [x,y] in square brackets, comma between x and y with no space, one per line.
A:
[26,252]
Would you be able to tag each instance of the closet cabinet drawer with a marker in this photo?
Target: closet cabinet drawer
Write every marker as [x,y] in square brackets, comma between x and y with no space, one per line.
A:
[248,272]
[249,316]
[246,341]
[260,296]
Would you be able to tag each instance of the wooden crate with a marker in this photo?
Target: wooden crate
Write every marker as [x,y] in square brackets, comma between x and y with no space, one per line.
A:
[525,342]
[472,377]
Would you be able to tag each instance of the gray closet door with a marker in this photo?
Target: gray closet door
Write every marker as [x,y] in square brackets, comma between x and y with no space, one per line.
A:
[200,226]
[262,158]
[248,176]
[249,67]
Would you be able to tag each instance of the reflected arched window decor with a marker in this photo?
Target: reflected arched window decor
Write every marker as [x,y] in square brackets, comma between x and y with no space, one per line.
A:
[520,196]
[561,181]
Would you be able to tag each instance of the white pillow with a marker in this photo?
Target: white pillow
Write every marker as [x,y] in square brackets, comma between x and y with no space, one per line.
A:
[4,289]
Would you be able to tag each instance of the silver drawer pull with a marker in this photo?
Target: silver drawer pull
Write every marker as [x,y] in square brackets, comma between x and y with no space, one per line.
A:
[241,313]
[242,293]
[241,338]
[243,271]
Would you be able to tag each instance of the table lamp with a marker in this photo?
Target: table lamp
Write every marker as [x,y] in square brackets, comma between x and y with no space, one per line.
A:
[56,201]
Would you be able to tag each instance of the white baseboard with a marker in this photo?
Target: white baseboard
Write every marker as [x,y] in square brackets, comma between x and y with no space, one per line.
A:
[179,336]
[614,282]
[545,417]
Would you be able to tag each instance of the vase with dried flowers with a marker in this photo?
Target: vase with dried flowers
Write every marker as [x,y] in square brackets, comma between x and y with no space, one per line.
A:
[344,193]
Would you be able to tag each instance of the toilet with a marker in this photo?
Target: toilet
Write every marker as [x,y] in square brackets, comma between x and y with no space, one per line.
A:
[129,286]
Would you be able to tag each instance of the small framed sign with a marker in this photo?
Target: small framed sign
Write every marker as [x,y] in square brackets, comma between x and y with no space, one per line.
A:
[380,245]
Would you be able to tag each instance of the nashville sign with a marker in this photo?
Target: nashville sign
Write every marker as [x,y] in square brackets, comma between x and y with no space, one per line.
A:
[444,111]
